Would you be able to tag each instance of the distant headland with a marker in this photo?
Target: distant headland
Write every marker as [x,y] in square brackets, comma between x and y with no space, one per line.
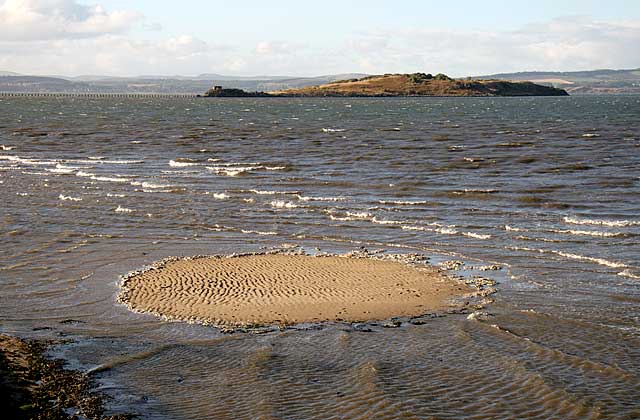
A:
[400,85]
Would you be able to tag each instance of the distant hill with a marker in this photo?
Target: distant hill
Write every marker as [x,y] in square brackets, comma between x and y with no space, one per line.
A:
[12,82]
[420,84]
[583,82]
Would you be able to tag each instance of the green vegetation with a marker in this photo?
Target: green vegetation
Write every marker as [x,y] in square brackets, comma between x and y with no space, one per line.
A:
[417,78]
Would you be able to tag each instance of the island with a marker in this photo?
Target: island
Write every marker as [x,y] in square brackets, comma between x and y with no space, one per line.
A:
[402,85]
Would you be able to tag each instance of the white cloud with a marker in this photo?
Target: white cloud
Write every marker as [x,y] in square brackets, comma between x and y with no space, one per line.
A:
[569,43]
[30,20]
[66,37]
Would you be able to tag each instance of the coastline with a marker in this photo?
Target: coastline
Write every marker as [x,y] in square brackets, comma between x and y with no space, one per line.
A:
[35,386]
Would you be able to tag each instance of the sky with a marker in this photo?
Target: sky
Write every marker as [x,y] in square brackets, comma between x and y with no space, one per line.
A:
[305,38]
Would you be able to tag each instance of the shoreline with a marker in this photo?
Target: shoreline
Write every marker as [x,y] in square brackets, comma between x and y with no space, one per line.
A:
[33,385]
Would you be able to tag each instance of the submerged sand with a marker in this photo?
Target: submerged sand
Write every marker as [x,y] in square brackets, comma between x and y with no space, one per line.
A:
[288,289]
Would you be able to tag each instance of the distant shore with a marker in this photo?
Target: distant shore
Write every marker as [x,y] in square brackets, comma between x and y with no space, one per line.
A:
[402,85]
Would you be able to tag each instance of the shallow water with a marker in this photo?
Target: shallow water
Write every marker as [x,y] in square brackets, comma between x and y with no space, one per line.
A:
[549,188]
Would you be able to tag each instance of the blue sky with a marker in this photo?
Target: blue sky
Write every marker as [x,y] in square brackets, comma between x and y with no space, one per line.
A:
[120,37]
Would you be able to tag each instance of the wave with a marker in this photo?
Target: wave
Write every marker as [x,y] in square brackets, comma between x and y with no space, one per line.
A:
[150,185]
[110,179]
[115,195]
[269,192]
[28,161]
[476,235]
[5,148]
[68,198]
[333,130]
[280,204]
[232,171]
[595,260]
[386,222]
[121,209]
[220,196]
[309,198]
[176,164]
[257,232]
[94,160]
[403,202]
[629,274]
[612,223]
[569,232]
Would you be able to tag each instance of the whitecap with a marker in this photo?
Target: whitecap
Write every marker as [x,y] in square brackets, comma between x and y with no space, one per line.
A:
[629,274]
[386,222]
[333,130]
[595,260]
[5,148]
[121,209]
[403,202]
[257,232]
[109,179]
[150,185]
[612,223]
[175,164]
[360,215]
[476,235]
[590,135]
[68,198]
[220,196]
[308,198]
[280,204]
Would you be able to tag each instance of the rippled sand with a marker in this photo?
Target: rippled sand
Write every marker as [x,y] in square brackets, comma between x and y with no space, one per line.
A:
[288,289]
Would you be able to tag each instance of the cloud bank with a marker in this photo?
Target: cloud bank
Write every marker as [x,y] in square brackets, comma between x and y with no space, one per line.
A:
[67,37]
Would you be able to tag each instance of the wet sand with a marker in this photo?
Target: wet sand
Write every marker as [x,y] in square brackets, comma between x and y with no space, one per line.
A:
[289,289]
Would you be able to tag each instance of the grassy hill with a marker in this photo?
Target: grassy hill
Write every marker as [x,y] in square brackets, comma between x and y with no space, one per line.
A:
[420,84]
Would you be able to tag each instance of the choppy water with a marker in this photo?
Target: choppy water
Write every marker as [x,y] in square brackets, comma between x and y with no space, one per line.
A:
[547,187]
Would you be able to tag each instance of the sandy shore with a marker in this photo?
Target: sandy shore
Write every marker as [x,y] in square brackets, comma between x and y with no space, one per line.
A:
[289,289]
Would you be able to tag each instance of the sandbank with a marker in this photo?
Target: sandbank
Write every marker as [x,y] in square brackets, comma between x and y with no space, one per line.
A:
[282,289]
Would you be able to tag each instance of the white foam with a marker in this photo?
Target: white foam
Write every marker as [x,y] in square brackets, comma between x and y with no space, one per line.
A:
[150,185]
[600,261]
[595,260]
[5,148]
[360,215]
[220,196]
[612,223]
[590,135]
[85,174]
[515,229]
[68,198]
[386,222]
[629,274]
[121,209]
[476,235]
[175,164]
[232,171]
[588,233]
[257,232]
[280,204]
[308,198]
[402,202]
[269,192]
[115,195]
[275,168]
[333,130]
[110,179]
